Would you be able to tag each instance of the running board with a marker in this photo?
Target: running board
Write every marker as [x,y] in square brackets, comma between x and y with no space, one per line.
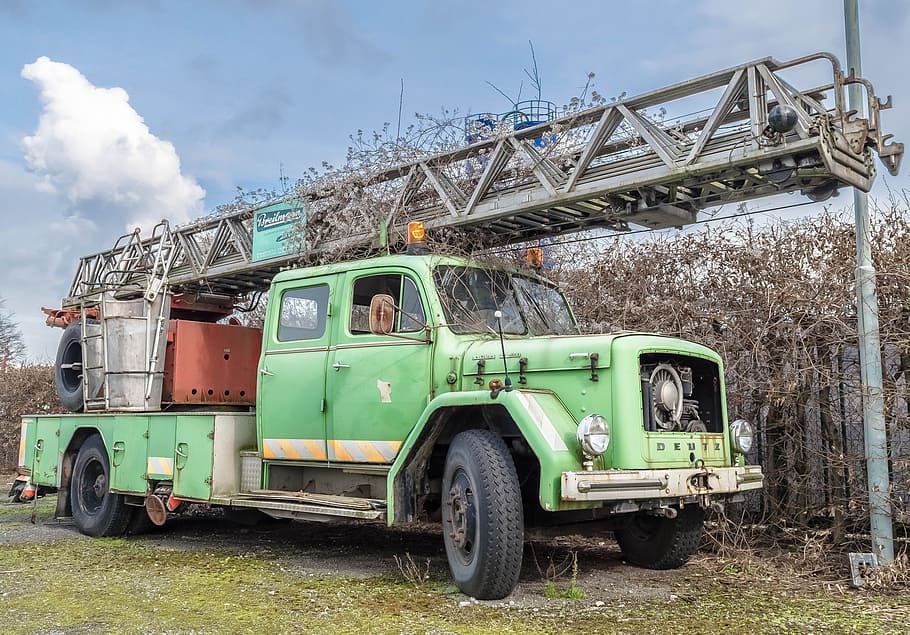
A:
[306,506]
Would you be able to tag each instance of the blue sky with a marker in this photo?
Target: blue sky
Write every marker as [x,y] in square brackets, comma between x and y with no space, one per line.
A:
[241,87]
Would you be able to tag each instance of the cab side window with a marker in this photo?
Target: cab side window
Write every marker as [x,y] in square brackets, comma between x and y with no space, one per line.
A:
[303,313]
[410,317]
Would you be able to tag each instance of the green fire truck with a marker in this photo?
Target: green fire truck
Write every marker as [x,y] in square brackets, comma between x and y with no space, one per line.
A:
[417,387]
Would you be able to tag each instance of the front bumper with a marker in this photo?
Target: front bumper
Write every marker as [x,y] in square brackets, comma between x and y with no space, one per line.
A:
[629,485]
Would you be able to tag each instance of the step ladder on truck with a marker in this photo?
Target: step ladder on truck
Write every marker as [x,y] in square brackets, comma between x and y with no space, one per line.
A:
[403,385]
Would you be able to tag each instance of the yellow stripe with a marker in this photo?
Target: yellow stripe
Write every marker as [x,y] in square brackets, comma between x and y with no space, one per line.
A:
[288,449]
[341,454]
[315,449]
[160,465]
[22,444]
[373,455]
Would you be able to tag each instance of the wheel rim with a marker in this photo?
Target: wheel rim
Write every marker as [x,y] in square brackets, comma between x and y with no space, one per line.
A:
[92,487]
[461,517]
[71,366]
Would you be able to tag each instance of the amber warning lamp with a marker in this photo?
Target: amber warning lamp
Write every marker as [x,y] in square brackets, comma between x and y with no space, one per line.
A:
[417,239]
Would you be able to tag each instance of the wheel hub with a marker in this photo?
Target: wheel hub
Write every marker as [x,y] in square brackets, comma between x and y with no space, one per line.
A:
[462,520]
[100,486]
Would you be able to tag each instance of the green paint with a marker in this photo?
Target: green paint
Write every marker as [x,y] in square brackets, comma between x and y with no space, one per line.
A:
[127,453]
[161,442]
[45,451]
[291,385]
[193,456]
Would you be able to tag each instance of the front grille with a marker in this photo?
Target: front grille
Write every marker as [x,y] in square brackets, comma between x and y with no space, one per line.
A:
[680,393]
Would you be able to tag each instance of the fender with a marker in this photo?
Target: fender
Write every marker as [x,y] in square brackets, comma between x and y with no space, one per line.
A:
[541,419]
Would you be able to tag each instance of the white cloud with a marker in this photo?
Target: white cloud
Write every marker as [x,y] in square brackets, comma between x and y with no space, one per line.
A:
[92,147]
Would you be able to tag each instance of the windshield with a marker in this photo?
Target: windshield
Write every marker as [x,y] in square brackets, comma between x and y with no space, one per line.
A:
[471,296]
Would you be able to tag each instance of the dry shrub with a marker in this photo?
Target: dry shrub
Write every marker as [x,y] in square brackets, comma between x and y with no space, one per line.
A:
[25,390]
[894,578]
[778,303]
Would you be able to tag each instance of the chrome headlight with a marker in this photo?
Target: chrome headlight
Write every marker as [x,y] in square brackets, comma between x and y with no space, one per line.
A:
[741,435]
[593,435]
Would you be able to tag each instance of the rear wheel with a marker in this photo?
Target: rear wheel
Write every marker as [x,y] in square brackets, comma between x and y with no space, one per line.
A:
[658,542]
[139,522]
[482,522]
[68,368]
[96,510]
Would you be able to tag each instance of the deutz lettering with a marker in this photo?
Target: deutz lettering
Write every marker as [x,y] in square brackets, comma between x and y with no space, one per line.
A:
[661,447]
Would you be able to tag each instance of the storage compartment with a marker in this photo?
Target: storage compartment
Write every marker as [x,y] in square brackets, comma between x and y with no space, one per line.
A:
[207,363]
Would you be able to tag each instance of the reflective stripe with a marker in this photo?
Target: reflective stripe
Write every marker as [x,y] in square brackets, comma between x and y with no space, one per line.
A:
[348,451]
[542,421]
[303,449]
[22,444]
[355,451]
[160,465]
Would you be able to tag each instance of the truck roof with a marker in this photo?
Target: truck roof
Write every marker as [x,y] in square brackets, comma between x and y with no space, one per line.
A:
[424,262]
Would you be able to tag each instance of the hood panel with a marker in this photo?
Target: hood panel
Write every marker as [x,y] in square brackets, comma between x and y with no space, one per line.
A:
[543,353]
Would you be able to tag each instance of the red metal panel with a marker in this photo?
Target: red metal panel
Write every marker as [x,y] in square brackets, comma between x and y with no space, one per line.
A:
[208,363]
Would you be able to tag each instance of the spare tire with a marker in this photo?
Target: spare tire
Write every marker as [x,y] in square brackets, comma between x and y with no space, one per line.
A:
[68,368]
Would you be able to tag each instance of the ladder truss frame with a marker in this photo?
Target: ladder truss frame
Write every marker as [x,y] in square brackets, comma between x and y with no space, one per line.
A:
[624,168]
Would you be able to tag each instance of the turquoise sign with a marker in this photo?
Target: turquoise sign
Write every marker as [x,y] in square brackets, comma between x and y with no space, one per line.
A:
[274,227]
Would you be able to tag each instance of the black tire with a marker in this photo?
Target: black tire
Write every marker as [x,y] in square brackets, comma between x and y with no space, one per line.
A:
[67,379]
[245,517]
[657,542]
[16,493]
[139,522]
[96,510]
[482,521]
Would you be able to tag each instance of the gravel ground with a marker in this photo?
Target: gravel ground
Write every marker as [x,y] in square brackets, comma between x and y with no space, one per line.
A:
[361,550]
[354,564]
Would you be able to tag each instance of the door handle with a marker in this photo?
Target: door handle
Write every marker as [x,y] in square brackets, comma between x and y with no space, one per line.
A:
[339,365]
[181,456]
[265,371]
[118,449]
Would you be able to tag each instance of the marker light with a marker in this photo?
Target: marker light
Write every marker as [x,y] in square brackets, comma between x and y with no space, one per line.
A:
[417,238]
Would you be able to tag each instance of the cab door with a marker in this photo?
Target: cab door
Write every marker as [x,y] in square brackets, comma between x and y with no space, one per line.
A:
[377,385]
[290,415]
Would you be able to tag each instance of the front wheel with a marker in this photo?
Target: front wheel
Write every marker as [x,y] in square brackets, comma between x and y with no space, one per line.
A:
[658,542]
[482,522]
[96,510]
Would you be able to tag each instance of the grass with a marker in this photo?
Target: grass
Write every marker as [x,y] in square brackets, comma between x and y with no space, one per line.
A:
[134,586]
[572,590]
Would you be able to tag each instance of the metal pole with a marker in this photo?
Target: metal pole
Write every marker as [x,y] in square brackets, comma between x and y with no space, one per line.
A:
[875,436]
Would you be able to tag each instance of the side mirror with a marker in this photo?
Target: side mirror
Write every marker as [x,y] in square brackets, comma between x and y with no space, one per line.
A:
[382,314]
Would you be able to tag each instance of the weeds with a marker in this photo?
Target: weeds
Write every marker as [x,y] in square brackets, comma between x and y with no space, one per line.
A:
[411,571]
[554,571]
